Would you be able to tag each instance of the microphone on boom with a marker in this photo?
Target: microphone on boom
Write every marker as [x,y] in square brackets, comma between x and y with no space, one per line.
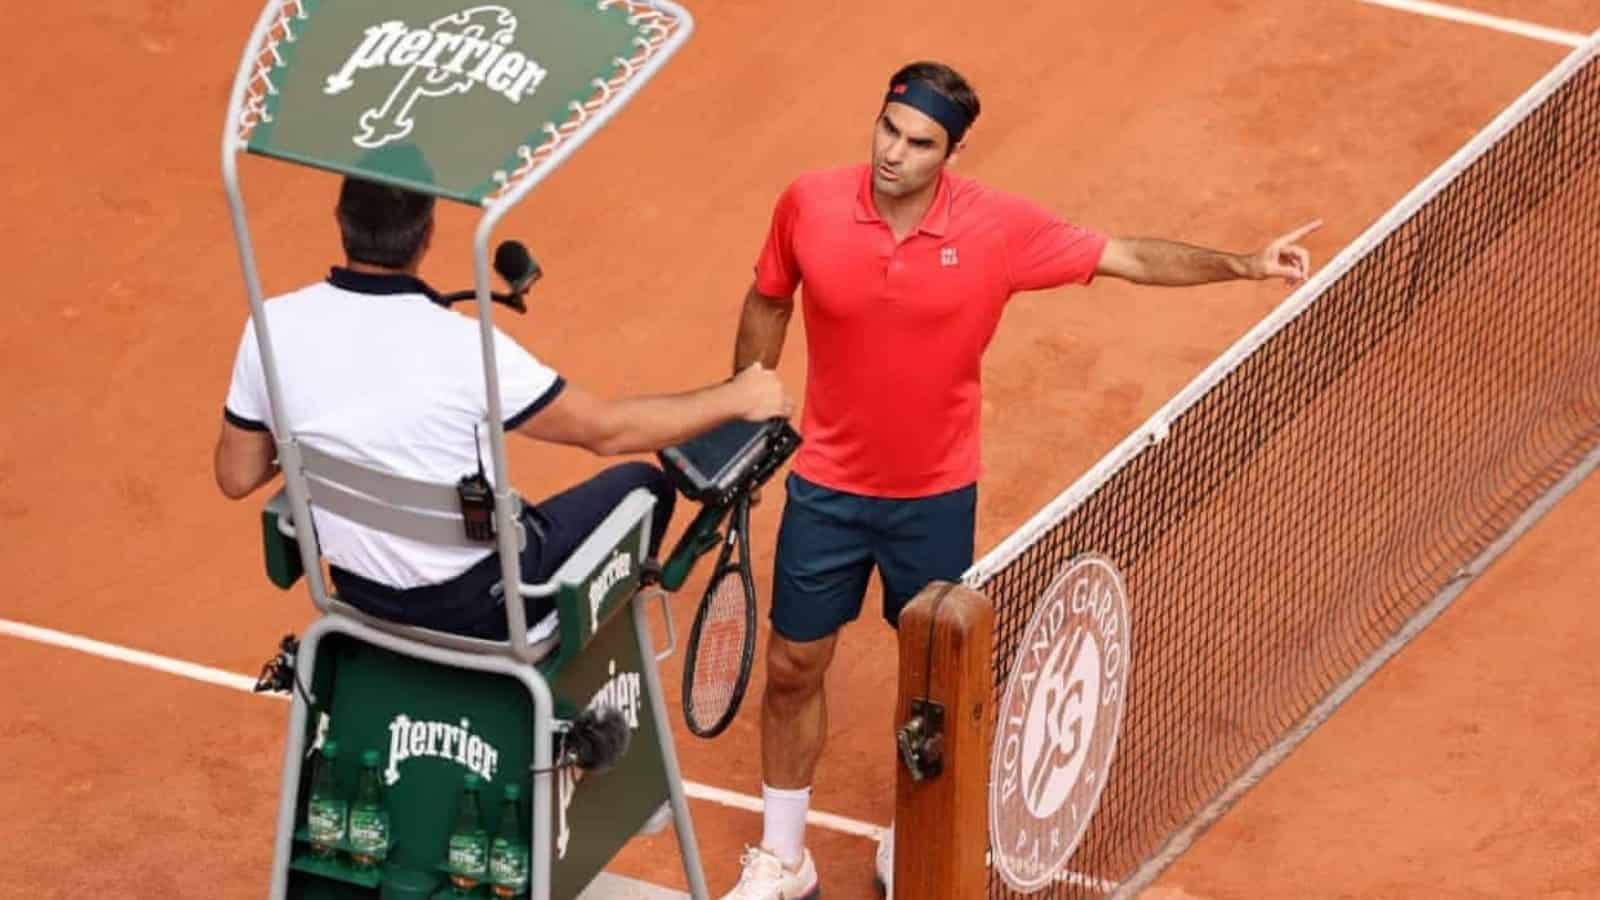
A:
[597,739]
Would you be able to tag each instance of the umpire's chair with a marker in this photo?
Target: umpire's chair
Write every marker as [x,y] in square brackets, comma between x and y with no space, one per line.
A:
[438,706]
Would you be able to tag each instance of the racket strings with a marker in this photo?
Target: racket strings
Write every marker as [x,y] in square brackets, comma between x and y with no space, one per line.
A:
[720,652]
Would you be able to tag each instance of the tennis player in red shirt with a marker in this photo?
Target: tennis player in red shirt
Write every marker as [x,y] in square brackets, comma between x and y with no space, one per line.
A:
[907,268]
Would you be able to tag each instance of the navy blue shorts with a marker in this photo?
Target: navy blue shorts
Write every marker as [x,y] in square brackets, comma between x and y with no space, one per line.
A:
[830,541]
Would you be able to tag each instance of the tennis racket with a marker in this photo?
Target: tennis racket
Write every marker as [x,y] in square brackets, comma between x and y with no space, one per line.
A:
[722,643]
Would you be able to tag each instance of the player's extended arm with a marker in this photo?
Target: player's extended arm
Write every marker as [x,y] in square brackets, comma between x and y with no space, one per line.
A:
[638,424]
[763,323]
[1161,262]
[244,460]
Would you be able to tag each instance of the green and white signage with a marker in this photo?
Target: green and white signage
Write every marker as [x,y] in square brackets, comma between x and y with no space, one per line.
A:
[448,98]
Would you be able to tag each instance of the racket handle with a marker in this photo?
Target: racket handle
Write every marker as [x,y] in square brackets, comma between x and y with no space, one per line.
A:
[675,572]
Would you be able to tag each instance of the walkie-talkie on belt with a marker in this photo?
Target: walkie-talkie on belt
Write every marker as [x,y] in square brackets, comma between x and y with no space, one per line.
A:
[477,499]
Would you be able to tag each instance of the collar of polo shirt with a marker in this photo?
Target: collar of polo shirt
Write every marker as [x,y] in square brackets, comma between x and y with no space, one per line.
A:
[935,222]
[379,285]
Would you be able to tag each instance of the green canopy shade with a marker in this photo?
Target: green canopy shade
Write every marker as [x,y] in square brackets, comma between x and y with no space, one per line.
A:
[459,99]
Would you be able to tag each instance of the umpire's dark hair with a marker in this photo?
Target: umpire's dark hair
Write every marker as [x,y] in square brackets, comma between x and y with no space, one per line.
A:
[382,225]
[943,79]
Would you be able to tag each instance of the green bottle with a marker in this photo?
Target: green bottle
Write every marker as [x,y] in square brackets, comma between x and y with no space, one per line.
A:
[508,855]
[369,818]
[327,812]
[468,854]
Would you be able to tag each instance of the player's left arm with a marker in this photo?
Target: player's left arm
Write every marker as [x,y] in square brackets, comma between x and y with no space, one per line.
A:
[244,460]
[1170,263]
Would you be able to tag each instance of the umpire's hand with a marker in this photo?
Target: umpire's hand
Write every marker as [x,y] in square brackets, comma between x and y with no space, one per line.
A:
[767,398]
[761,394]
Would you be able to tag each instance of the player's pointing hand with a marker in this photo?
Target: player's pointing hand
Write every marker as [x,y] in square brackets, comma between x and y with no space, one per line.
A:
[1285,259]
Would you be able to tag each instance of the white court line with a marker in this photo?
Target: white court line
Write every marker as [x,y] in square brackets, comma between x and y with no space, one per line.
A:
[753,804]
[192,671]
[235,681]
[1484,20]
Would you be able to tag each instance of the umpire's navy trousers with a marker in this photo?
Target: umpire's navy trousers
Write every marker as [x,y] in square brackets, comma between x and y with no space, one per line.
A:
[468,605]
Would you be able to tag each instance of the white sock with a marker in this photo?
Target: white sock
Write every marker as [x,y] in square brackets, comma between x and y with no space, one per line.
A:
[783,822]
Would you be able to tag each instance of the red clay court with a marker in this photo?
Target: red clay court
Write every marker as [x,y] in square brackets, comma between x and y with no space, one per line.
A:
[1466,769]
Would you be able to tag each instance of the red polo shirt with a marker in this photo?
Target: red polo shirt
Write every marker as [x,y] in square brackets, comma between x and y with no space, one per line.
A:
[896,332]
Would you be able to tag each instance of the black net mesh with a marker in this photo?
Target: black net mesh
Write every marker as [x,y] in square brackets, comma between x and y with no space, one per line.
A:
[1340,477]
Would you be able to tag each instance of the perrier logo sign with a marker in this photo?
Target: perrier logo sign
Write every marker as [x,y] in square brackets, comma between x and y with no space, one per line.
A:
[467,50]
[415,739]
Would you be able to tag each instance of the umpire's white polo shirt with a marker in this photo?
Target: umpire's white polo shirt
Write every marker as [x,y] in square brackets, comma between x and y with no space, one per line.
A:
[374,371]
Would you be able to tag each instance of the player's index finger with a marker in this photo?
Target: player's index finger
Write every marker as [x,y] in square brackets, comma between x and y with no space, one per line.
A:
[1302,231]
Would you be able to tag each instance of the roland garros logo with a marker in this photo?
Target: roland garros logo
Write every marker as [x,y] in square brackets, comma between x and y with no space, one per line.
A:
[1058,723]
[451,56]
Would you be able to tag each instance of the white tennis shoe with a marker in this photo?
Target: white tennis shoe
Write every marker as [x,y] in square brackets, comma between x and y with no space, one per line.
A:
[765,877]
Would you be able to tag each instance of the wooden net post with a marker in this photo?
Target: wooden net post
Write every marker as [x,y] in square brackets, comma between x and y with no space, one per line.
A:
[944,720]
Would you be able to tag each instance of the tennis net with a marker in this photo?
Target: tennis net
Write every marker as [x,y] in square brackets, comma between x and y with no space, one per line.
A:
[1326,488]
